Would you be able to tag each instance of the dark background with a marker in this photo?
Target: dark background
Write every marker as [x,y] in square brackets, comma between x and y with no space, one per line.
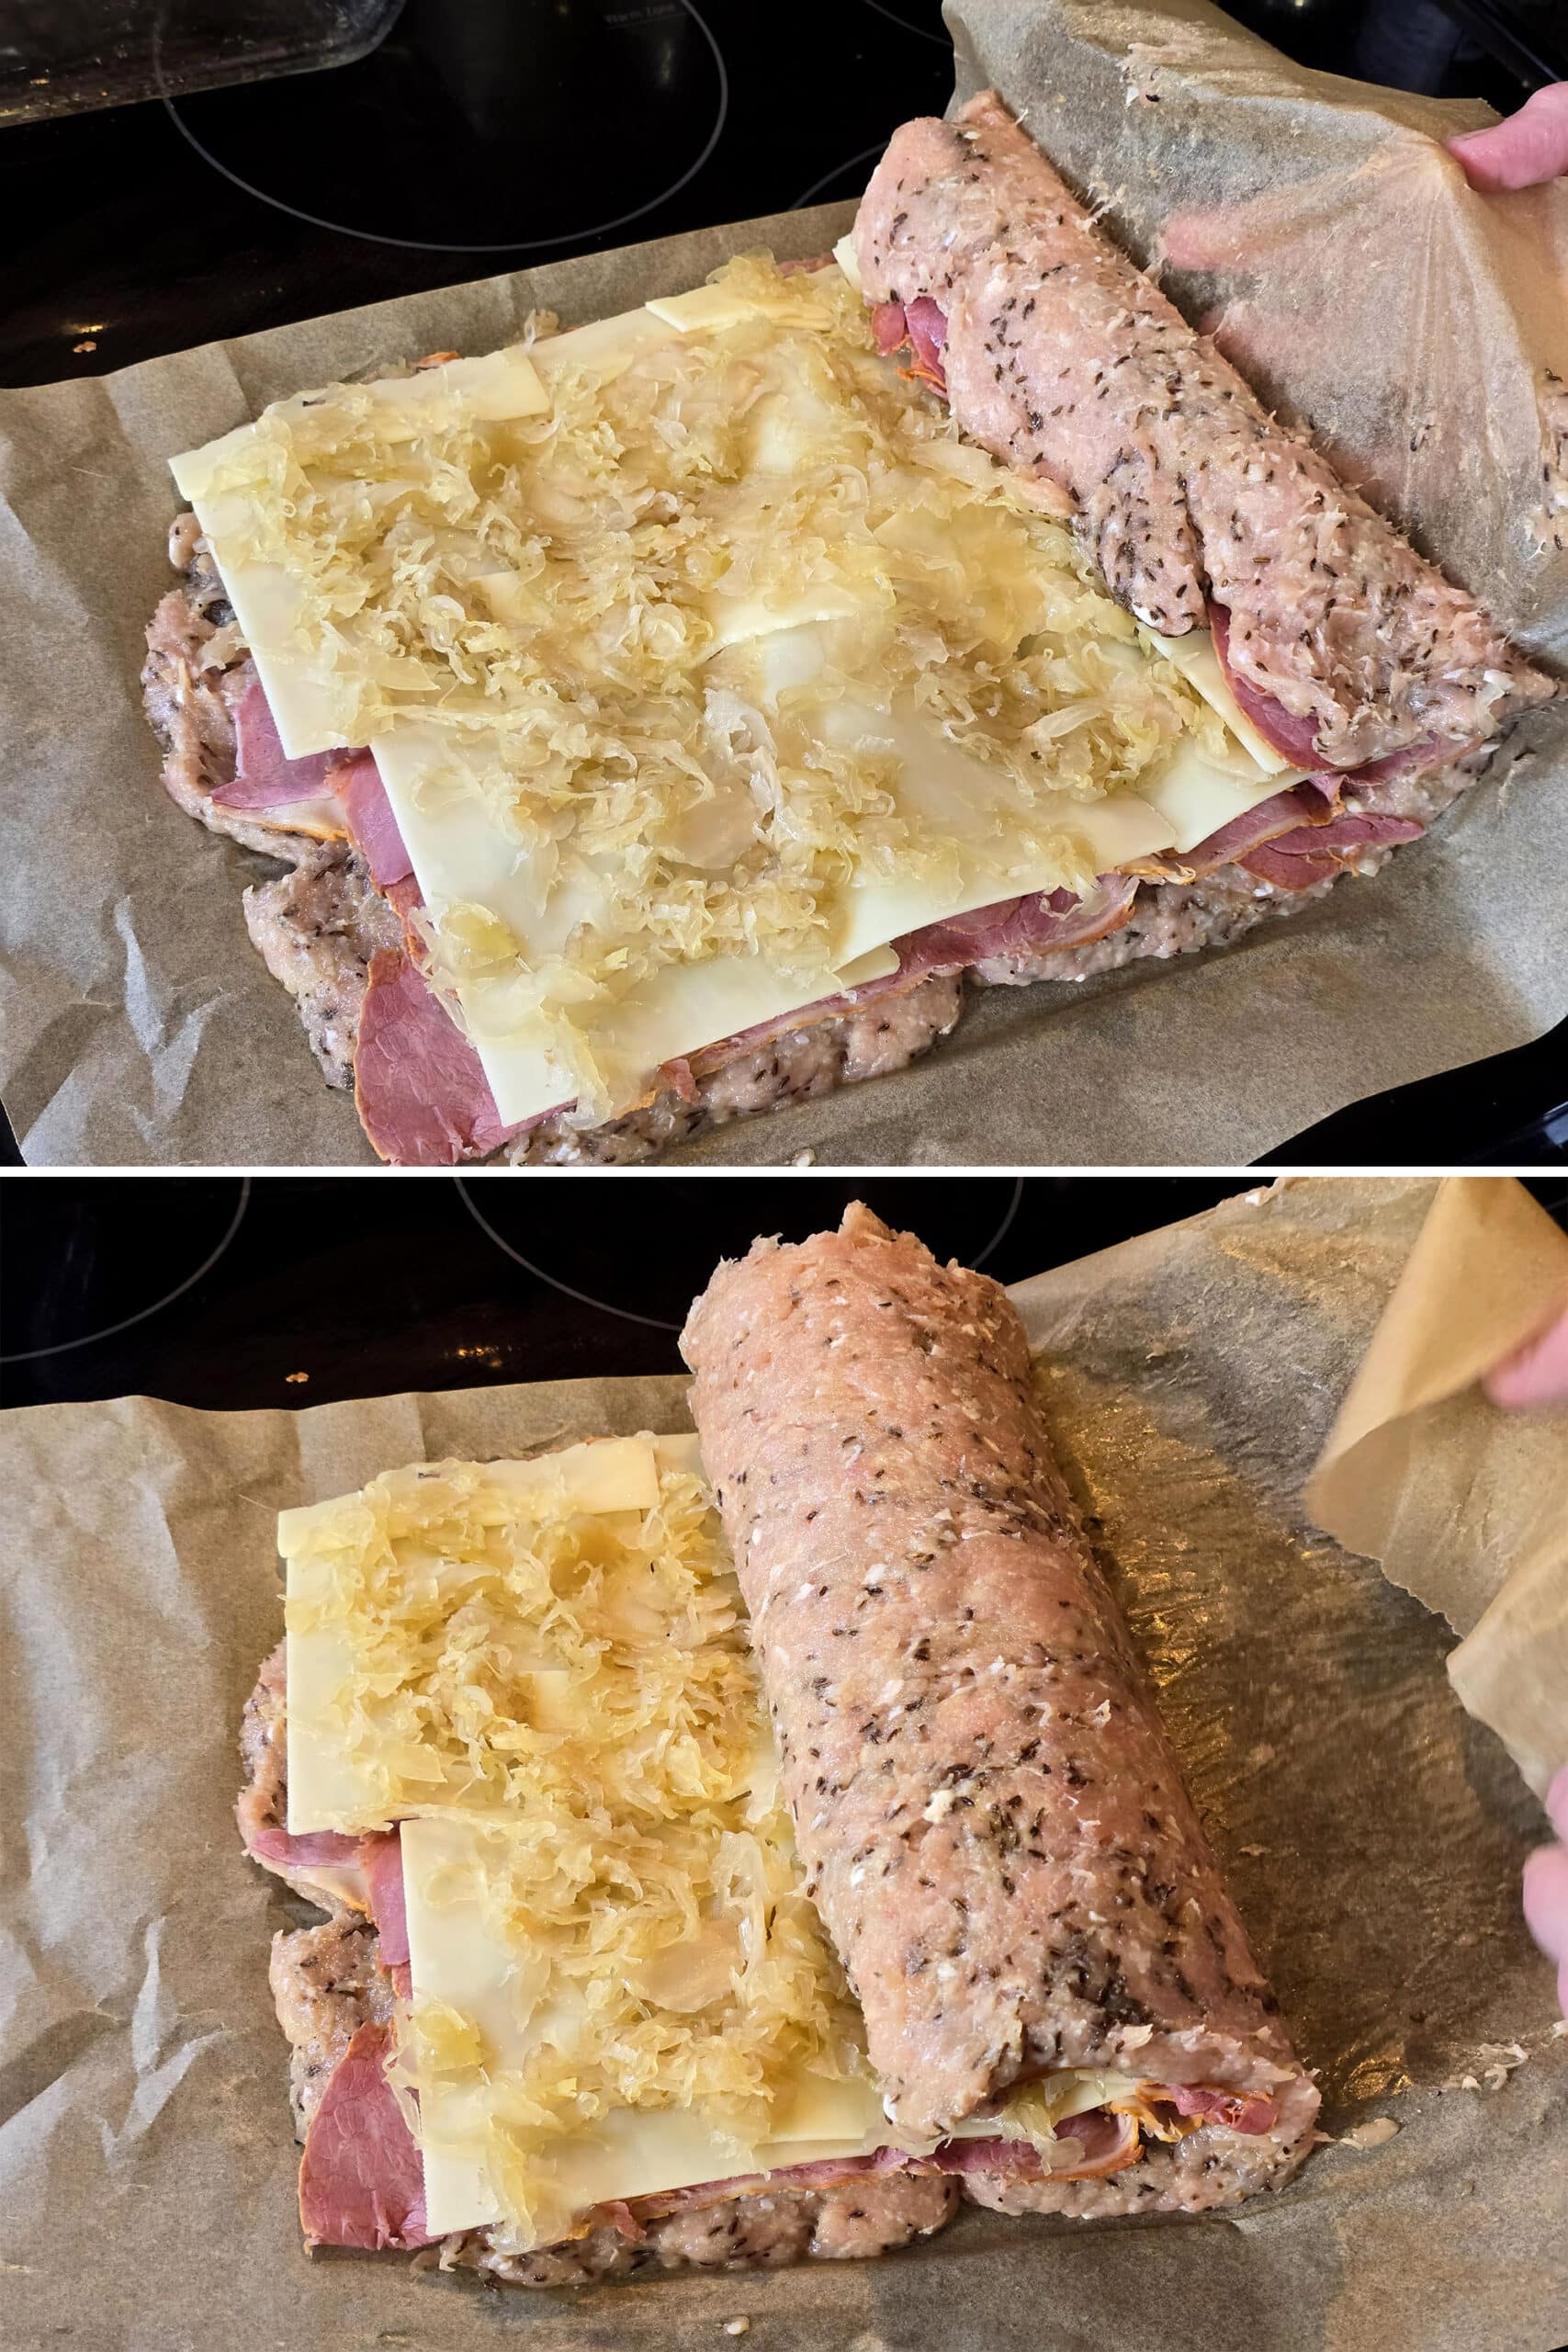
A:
[229,1289]
[483,134]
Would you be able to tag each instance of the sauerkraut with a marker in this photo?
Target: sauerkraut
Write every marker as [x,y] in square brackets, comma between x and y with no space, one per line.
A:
[580,1681]
[592,595]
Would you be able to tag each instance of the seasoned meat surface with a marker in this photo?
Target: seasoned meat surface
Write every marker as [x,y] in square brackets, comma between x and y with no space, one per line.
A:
[1068,363]
[263,1798]
[848,2223]
[993,1822]
[326,1983]
[316,928]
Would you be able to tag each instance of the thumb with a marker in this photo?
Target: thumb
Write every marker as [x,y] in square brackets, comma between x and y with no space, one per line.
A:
[1536,1373]
[1529,147]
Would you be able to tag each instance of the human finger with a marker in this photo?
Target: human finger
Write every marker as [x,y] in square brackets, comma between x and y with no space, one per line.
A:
[1536,1373]
[1524,150]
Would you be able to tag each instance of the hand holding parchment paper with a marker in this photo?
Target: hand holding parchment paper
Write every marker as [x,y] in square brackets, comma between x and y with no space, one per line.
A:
[1374,1835]
[1417,1455]
[1528,148]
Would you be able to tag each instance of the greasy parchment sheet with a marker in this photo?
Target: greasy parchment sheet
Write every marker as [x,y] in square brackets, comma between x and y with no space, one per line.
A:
[1373,1833]
[1341,260]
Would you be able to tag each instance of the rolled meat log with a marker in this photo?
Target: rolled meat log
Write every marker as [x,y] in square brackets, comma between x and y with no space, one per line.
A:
[992,1820]
[1071,366]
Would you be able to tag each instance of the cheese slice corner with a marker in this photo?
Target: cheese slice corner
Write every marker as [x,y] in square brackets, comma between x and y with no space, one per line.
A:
[1196,796]
[847,261]
[504,1996]
[706,309]
[332,1783]
[1195,658]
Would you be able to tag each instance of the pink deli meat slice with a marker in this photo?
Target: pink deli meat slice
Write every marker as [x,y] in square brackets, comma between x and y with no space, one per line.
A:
[363,798]
[361,2176]
[264,777]
[1028,926]
[1294,861]
[419,1086]
[381,1858]
[284,1851]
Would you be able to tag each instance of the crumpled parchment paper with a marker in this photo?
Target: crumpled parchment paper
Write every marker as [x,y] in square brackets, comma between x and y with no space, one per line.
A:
[1372,1832]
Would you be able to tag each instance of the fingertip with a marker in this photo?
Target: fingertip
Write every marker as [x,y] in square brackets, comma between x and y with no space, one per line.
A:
[1557,1803]
[1524,150]
[1546,1900]
[1507,1385]
[1471,158]
[1536,1373]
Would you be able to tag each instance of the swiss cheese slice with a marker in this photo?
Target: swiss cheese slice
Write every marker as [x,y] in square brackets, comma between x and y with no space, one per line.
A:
[709,310]
[1195,795]
[1195,657]
[706,308]
[300,692]
[505,1995]
[335,1782]
[463,855]
[848,260]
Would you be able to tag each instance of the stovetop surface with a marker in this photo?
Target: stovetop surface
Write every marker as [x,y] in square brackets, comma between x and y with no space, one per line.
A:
[224,1292]
[504,132]
[475,138]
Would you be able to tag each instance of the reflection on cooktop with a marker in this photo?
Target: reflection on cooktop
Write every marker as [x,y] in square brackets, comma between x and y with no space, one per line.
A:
[909,18]
[588,1264]
[471,130]
[313,1288]
[79,1276]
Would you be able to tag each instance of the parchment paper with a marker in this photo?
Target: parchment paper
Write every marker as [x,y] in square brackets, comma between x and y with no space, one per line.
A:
[1467,1507]
[1345,263]
[1373,1833]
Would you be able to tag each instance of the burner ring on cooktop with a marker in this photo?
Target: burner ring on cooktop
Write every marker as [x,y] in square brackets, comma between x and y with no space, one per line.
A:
[814,193]
[921,32]
[662,1322]
[110,1331]
[471,153]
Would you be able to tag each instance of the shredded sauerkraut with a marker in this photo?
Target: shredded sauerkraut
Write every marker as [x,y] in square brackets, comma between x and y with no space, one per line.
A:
[501,1648]
[589,594]
[581,1679]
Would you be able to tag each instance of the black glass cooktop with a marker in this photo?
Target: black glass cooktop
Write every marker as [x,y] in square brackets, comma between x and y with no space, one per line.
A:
[227,1293]
[489,135]
[297,1290]
[477,137]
